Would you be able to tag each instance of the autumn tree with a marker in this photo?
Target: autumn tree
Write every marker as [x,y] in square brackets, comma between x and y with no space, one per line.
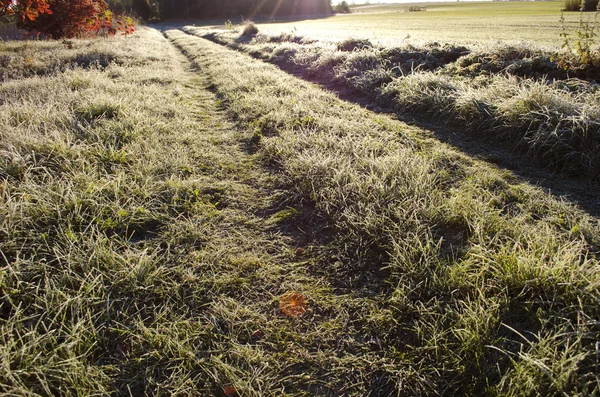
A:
[5,8]
[68,18]
[24,9]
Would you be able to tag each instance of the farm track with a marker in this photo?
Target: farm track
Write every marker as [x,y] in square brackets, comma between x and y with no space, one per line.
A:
[159,273]
[413,219]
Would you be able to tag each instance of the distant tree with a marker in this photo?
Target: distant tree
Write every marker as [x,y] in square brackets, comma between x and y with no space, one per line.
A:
[589,5]
[205,9]
[580,5]
[142,8]
[342,8]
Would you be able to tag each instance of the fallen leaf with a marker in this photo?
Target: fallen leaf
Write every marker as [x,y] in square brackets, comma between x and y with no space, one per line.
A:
[229,390]
[292,304]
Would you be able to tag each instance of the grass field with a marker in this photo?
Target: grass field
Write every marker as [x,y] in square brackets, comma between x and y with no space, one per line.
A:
[466,23]
[162,195]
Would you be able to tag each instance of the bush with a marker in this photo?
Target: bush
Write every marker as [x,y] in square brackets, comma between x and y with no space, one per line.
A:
[342,8]
[415,8]
[250,29]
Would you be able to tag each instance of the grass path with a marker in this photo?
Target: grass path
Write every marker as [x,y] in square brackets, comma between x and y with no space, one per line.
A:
[145,242]
[142,251]
[446,261]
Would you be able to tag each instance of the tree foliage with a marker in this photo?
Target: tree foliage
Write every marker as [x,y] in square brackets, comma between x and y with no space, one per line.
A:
[69,18]
[66,18]
[25,9]
[76,18]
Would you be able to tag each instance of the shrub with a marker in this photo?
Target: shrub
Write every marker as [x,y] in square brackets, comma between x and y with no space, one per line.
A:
[414,8]
[342,8]
[250,29]
[581,48]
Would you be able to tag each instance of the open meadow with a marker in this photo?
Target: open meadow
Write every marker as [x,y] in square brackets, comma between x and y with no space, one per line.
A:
[235,210]
[465,22]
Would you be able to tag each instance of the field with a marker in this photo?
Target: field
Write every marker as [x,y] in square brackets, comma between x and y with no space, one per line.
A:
[465,22]
[202,211]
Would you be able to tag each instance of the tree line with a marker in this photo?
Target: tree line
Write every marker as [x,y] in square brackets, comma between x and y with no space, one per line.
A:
[208,9]
[80,18]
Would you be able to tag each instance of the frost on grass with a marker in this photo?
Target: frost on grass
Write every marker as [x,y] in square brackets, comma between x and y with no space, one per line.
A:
[462,277]
[517,96]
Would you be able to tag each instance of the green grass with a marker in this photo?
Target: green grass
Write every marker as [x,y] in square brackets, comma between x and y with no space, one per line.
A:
[132,236]
[155,208]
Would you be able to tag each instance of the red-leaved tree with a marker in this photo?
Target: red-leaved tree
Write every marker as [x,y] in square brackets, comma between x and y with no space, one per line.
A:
[25,9]
[6,7]
[67,18]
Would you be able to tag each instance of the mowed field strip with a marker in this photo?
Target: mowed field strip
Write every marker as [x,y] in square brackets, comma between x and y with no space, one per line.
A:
[160,193]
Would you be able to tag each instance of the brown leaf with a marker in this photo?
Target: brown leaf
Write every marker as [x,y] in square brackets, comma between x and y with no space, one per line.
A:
[292,304]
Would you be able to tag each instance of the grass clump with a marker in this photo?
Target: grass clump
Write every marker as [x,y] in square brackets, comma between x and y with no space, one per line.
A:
[354,44]
[548,123]
[250,29]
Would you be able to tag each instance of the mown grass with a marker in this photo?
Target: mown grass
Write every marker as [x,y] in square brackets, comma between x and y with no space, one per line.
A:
[511,95]
[476,283]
